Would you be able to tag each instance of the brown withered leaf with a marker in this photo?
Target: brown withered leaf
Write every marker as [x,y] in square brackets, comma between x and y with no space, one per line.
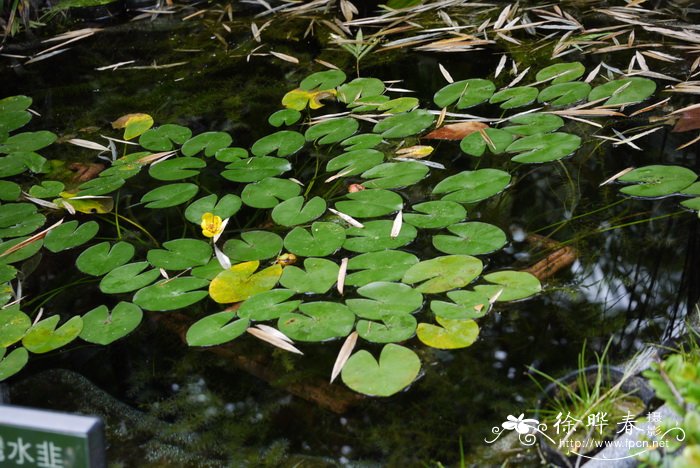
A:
[689,120]
[85,171]
[455,131]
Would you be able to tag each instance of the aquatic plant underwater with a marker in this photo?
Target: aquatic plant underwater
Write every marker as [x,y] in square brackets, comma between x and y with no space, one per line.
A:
[246,221]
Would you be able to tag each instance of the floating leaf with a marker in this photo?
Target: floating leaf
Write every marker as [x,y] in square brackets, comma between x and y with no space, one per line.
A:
[466,93]
[360,88]
[319,277]
[456,131]
[19,219]
[456,334]
[497,141]
[269,192]
[509,285]
[472,186]
[293,211]
[268,305]
[7,273]
[13,362]
[321,240]
[27,142]
[256,169]
[127,278]
[216,329]
[369,103]
[298,99]
[376,235]
[395,175]
[171,294]
[240,282]
[47,189]
[355,162]
[9,191]
[511,98]
[253,245]
[133,124]
[22,253]
[398,105]
[370,203]
[163,137]
[69,235]
[15,103]
[404,125]
[472,238]
[533,124]
[332,131]
[100,186]
[100,326]
[544,148]
[180,254]
[692,204]
[362,141]
[623,91]
[387,265]
[12,120]
[563,94]
[385,298]
[283,143]
[397,368]
[209,142]
[391,329]
[229,155]
[44,336]
[437,214]
[657,180]
[11,165]
[318,321]
[323,80]
[13,325]
[284,117]
[170,195]
[224,208]
[176,169]
[443,273]
[561,72]
[466,305]
[100,259]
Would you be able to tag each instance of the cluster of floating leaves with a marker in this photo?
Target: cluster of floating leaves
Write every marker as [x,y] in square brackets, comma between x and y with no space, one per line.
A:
[320,272]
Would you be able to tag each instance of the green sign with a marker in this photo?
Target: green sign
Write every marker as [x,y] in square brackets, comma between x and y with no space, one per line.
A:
[47,439]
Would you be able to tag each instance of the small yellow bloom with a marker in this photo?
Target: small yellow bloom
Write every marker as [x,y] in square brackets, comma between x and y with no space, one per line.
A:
[212,225]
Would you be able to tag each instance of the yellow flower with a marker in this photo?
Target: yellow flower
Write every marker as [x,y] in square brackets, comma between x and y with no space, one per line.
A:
[212,225]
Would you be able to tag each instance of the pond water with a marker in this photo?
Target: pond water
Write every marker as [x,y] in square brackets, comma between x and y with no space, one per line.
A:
[635,273]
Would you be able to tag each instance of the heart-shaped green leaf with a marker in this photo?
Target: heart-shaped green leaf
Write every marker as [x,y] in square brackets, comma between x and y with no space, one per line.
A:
[127,278]
[216,329]
[21,254]
[7,274]
[443,273]
[100,259]
[470,239]
[398,105]
[27,142]
[472,186]
[176,169]
[47,189]
[100,326]
[240,282]
[404,125]
[376,235]
[180,254]
[268,305]
[11,165]
[437,214]
[43,336]
[321,240]
[13,325]
[323,80]
[623,91]
[657,180]
[255,169]
[209,142]
[293,211]
[360,88]
[12,120]
[283,143]
[224,208]
[496,140]
[69,235]
[19,219]
[387,265]
[9,191]
[545,147]
[534,124]
[253,245]
[509,285]
[511,98]
[466,93]
[284,117]
[391,329]
[370,203]
[397,368]
[466,305]
[332,131]
[170,195]
[355,162]
[171,294]
[100,186]
[561,72]
[15,103]
[456,334]
[563,94]
[163,137]
[229,155]
[269,192]
[318,277]
[12,363]
[395,175]
[317,321]
[384,298]
[362,141]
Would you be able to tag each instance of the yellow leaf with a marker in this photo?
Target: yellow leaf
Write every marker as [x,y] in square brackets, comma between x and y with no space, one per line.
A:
[239,282]
[298,99]
[133,124]
[96,205]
